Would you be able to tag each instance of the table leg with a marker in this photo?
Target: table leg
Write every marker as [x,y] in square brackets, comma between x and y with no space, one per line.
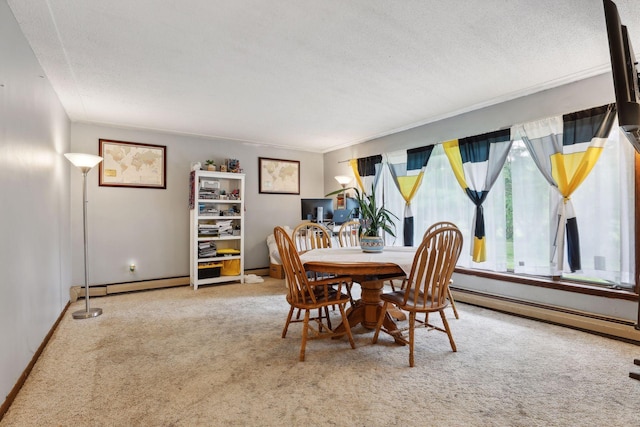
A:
[366,310]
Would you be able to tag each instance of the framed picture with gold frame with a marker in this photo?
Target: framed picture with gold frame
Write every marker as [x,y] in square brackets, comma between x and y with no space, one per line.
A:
[132,164]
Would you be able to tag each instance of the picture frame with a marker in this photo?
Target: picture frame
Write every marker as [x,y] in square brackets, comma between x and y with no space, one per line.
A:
[278,176]
[132,164]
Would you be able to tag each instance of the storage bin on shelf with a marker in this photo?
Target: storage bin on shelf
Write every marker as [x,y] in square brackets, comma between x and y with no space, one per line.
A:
[209,270]
[230,267]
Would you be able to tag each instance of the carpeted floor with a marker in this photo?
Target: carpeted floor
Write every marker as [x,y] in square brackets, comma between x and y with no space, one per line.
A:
[214,357]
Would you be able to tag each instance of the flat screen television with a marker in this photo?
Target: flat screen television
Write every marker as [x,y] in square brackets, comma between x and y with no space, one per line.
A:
[309,209]
[625,74]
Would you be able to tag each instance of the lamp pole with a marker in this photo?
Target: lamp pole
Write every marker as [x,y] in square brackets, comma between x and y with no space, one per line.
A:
[85,162]
[343,181]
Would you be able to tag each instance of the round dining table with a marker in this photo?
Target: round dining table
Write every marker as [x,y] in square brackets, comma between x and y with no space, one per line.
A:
[370,270]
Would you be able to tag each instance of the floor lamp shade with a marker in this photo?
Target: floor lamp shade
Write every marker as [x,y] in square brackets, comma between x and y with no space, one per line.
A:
[85,162]
[343,180]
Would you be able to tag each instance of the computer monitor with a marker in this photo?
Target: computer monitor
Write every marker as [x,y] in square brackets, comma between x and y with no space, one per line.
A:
[353,207]
[309,209]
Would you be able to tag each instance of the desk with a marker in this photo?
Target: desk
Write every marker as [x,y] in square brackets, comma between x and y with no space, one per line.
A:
[368,269]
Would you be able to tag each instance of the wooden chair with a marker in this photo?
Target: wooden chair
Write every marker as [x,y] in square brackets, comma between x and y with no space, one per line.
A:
[431,228]
[349,234]
[310,235]
[307,295]
[426,289]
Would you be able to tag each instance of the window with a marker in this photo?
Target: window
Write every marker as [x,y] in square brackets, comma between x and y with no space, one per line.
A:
[519,219]
[604,210]
[440,198]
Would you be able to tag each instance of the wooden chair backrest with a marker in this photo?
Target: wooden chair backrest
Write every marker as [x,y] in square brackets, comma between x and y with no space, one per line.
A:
[349,234]
[437,225]
[299,290]
[432,268]
[310,235]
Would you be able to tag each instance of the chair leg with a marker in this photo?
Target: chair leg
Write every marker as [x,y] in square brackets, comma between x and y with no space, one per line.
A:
[452,302]
[345,322]
[286,325]
[412,330]
[326,313]
[305,332]
[379,324]
[448,330]
[349,293]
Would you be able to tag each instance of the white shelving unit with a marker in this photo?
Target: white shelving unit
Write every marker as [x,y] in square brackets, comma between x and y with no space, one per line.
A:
[217,227]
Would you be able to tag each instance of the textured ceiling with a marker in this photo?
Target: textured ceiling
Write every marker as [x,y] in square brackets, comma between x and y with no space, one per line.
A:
[313,75]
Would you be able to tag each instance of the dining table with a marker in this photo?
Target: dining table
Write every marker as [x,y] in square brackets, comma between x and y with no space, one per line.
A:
[370,270]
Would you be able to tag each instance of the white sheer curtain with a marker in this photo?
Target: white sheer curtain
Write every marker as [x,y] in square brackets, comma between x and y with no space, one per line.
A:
[440,198]
[532,201]
[607,219]
[394,202]
[604,201]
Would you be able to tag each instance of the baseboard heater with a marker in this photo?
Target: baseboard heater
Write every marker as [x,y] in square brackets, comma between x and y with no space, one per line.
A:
[589,322]
[76,292]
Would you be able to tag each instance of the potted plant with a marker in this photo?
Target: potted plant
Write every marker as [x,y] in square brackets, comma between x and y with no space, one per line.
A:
[373,219]
[211,165]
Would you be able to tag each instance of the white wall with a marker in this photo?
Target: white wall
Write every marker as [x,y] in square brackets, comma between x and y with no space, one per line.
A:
[150,227]
[569,98]
[34,204]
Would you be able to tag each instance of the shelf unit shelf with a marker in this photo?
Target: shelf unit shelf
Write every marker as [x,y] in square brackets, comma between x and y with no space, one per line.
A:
[206,266]
[206,239]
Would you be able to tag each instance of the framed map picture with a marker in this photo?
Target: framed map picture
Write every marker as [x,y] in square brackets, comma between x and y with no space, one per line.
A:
[279,176]
[131,164]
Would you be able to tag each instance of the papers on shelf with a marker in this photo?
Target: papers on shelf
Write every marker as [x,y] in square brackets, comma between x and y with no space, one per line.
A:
[220,228]
[206,249]
[208,210]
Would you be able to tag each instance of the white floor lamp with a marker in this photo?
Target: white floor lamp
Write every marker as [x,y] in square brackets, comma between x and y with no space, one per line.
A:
[85,162]
[343,180]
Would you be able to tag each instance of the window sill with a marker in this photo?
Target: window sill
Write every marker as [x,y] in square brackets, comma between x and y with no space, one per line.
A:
[563,285]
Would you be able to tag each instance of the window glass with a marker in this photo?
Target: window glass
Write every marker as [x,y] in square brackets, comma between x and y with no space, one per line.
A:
[604,209]
[518,214]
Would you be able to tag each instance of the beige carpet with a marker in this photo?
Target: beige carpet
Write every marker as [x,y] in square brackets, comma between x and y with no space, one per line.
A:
[214,357]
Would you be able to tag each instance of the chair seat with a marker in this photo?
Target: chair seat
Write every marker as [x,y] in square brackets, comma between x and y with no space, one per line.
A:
[418,305]
[321,300]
